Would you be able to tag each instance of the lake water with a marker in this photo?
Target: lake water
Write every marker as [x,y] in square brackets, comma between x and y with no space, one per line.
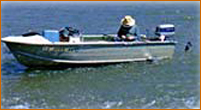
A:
[172,83]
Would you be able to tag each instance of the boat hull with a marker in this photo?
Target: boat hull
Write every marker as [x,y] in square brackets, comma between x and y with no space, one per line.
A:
[41,55]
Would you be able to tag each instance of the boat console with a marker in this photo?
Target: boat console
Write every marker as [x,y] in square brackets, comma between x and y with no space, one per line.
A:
[66,34]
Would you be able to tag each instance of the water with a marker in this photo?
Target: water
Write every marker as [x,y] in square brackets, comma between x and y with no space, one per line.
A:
[162,84]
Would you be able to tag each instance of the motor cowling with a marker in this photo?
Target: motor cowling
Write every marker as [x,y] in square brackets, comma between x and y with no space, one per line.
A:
[165,29]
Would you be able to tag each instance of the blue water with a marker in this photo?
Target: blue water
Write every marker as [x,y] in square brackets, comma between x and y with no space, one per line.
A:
[170,83]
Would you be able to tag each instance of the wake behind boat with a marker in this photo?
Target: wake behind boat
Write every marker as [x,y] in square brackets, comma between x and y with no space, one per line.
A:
[54,48]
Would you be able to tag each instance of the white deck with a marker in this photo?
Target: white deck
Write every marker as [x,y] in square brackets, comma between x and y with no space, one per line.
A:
[36,39]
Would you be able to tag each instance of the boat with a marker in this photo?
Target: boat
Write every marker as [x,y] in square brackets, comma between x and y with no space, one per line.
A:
[47,49]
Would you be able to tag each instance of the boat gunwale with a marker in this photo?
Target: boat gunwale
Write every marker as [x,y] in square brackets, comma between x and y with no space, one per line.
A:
[120,43]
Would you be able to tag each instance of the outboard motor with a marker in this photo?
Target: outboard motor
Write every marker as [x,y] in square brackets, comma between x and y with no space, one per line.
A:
[167,30]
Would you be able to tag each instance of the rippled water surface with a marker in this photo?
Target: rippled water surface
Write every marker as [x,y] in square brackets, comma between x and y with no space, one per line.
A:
[172,83]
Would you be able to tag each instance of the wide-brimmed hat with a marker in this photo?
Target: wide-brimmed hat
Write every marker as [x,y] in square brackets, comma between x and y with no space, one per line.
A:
[128,21]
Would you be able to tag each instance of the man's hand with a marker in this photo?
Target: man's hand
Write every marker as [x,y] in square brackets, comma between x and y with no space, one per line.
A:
[131,38]
[123,37]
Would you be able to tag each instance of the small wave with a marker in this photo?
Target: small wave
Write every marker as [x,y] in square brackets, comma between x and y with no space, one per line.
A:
[191,103]
[110,104]
[21,106]
[149,104]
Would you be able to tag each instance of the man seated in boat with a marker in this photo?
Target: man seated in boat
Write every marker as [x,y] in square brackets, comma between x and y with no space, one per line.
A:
[128,30]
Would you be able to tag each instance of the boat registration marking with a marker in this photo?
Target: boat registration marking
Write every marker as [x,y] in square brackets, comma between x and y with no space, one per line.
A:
[53,49]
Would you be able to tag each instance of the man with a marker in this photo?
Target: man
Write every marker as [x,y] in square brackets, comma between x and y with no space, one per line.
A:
[128,30]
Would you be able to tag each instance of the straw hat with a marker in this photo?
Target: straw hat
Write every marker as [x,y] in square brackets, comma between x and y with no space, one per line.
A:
[128,21]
